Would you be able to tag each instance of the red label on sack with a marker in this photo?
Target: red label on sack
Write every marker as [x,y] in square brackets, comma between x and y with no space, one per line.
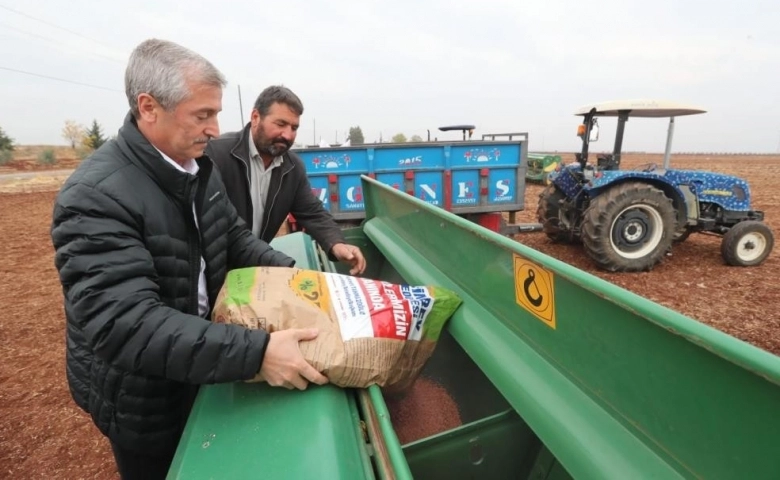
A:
[390,314]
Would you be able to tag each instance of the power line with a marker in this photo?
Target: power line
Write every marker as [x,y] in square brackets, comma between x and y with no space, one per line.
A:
[54,25]
[60,79]
[27,33]
[55,41]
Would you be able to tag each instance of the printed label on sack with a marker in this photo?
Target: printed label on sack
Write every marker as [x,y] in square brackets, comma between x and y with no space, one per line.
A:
[308,285]
[368,308]
[422,304]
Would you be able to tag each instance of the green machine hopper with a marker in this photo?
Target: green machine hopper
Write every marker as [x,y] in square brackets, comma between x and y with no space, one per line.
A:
[540,166]
[556,374]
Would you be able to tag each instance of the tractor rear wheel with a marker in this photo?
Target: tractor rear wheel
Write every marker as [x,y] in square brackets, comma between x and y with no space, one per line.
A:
[747,244]
[681,235]
[629,227]
[548,214]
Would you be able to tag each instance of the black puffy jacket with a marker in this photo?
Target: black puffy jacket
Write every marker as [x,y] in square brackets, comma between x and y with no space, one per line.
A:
[128,254]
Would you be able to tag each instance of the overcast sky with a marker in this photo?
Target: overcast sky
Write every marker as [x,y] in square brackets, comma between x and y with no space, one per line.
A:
[409,66]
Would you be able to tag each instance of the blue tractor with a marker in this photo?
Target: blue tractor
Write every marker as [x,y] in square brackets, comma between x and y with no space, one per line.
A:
[627,220]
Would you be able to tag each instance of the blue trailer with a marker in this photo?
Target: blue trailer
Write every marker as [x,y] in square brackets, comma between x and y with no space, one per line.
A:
[478,179]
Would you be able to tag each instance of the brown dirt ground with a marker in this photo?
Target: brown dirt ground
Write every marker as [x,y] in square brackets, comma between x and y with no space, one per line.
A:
[44,435]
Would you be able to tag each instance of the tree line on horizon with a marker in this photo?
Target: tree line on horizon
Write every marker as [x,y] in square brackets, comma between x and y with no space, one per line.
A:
[82,139]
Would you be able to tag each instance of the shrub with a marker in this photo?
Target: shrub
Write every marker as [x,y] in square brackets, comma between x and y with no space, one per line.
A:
[6,156]
[47,157]
[6,142]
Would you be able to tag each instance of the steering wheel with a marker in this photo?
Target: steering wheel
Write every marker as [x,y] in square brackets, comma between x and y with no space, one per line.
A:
[649,167]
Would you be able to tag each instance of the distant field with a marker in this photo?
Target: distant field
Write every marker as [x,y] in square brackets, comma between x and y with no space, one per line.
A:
[26,158]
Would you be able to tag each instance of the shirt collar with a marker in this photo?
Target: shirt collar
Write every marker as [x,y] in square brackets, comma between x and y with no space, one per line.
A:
[190,166]
[255,155]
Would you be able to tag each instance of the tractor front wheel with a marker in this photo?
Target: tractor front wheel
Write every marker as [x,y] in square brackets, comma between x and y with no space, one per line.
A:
[629,227]
[747,244]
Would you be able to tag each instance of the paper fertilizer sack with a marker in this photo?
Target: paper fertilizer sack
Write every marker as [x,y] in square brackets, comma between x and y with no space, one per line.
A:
[371,332]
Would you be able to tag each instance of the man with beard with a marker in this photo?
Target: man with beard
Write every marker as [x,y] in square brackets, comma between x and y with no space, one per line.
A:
[266,182]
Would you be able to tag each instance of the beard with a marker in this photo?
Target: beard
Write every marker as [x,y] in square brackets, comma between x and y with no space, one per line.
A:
[273,146]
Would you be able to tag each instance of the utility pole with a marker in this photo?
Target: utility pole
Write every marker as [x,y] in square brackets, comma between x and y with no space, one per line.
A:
[240,106]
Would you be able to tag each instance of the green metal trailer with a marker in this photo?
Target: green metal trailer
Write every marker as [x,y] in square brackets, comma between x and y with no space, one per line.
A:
[557,374]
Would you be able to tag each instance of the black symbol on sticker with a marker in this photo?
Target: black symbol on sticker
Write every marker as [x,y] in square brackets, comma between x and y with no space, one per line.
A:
[531,280]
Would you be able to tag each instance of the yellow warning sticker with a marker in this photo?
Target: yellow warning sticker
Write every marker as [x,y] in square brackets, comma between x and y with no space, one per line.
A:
[534,290]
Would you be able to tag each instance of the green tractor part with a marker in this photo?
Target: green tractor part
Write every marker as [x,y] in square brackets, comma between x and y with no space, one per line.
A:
[556,373]
[540,166]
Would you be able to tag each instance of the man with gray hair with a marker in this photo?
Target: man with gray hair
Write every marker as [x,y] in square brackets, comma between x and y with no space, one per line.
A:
[266,182]
[144,236]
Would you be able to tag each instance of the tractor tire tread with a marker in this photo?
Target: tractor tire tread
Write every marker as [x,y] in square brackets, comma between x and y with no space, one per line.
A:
[599,216]
[547,214]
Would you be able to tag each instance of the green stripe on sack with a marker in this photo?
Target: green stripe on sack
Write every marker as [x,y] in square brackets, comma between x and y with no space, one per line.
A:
[239,285]
[445,302]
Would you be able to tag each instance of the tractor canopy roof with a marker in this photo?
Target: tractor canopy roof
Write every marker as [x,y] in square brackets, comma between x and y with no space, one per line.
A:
[457,127]
[640,108]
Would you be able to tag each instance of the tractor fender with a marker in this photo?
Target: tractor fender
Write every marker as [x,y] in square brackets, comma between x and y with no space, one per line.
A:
[727,191]
[610,179]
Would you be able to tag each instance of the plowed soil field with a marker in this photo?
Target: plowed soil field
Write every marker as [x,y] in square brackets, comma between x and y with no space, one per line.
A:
[43,435]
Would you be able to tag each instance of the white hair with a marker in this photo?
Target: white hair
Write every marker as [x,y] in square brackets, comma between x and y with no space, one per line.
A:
[164,70]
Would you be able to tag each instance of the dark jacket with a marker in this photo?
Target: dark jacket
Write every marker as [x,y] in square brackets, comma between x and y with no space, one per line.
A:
[128,254]
[289,191]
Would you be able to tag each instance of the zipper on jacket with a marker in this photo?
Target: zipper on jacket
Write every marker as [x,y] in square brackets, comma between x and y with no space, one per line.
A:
[248,183]
[194,248]
[200,210]
[249,192]
[267,211]
[242,138]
